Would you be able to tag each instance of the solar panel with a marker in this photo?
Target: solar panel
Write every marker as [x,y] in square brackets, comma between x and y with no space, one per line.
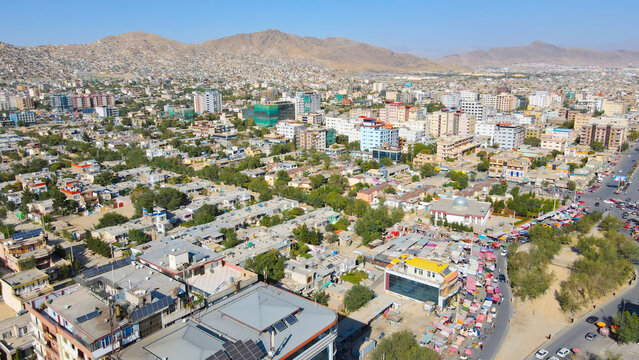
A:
[280,326]
[290,320]
[255,350]
[241,347]
[88,316]
[220,355]
[26,234]
[152,308]
[107,267]
[231,349]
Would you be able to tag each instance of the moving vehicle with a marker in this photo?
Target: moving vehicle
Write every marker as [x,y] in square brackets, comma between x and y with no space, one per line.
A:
[590,336]
[592,319]
[541,353]
[563,352]
[502,277]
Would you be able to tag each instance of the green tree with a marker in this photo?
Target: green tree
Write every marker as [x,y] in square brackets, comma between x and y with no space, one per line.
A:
[105,178]
[624,147]
[596,146]
[306,236]
[571,185]
[483,165]
[610,223]
[628,327]
[357,296]
[428,170]
[230,238]
[532,141]
[138,236]
[402,346]
[111,219]
[271,262]
[320,297]
[397,214]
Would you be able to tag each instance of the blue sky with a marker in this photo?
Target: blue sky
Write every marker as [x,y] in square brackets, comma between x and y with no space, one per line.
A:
[424,27]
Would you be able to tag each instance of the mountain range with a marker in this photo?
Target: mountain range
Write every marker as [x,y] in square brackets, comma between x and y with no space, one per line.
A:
[256,53]
[543,53]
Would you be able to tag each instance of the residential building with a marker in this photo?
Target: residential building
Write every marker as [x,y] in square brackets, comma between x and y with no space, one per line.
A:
[17,338]
[349,127]
[506,102]
[289,129]
[427,281]
[26,249]
[474,108]
[451,122]
[24,103]
[18,288]
[580,119]
[210,101]
[25,118]
[259,319]
[609,135]
[61,102]
[310,118]
[307,102]
[509,166]
[376,134]
[509,136]
[611,108]
[454,147]
[533,132]
[107,111]
[92,100]
[552,142]
[461,210]
[311,139]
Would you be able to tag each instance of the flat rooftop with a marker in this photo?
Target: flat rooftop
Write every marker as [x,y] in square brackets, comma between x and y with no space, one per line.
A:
[24,277]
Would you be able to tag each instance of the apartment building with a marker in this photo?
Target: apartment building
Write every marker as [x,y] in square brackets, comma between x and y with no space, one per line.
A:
[92,100]
[451,122]
[609,135]
[311,139]
[474,108]
[310,118]
[20,287]
[509,166]
[422,280]
[506,102]
[552,142]
[210,101]
[289,129]
[611,108]
[307,102]
[26,249]
[454,147]
[509,136]
[377,134]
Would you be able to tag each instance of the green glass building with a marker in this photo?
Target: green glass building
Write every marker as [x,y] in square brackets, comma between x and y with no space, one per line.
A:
[331,137]
[271,113]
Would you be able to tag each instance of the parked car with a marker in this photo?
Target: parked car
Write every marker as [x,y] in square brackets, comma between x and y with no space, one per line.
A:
[541,353]
[590,336]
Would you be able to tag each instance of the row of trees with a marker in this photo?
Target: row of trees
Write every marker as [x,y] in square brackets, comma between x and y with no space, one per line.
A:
[606,263]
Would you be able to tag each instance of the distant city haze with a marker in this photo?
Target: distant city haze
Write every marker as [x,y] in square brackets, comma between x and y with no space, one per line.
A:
[427,29]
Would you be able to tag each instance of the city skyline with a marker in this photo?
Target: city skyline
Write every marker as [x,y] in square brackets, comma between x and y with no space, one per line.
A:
[422,31]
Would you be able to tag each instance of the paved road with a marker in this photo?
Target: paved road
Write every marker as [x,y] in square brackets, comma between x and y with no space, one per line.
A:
[574,335]
[502,321]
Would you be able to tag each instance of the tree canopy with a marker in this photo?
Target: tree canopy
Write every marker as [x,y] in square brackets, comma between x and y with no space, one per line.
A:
[402,346]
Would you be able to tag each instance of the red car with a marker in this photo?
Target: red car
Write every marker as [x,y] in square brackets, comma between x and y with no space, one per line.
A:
[580,192]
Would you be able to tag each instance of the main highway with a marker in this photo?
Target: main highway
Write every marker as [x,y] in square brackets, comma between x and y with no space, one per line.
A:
[573,336]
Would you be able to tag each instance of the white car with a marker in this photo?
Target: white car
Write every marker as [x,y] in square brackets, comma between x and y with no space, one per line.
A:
[563,352]
[541,353]
[553,358]
[504,252]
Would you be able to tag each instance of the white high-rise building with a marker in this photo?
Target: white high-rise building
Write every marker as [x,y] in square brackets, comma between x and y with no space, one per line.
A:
[539,99]
[375,133]
[307,102]
[289,129]
[451,100]
[210,101]
[473,108]
[345,126]
[467,95]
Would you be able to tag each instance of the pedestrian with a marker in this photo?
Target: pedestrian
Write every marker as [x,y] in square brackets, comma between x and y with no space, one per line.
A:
[481,347]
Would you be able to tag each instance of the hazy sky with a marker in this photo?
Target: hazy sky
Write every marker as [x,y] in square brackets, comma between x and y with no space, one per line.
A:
[425,27]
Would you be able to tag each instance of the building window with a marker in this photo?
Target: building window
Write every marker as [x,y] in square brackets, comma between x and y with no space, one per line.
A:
[412,289]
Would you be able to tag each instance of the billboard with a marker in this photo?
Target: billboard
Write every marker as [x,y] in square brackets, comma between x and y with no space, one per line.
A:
[618,178]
